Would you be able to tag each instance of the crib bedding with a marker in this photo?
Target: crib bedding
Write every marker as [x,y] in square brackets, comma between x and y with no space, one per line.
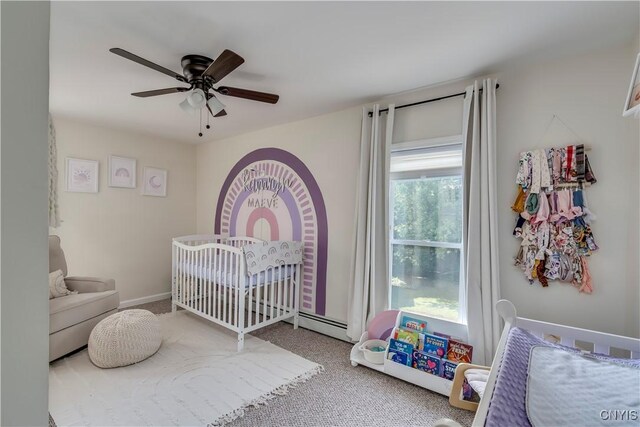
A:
[508,405]
[262,278]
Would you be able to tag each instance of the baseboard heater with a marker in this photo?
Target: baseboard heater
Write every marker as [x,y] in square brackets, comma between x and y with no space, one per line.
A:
[319,324]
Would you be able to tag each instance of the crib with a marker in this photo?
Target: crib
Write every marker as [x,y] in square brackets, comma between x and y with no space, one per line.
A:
[210,279]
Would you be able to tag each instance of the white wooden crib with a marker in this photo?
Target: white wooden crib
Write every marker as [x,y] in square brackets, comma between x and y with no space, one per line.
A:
[209,279]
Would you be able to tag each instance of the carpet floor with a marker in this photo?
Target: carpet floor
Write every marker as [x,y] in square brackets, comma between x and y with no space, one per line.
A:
[342,395]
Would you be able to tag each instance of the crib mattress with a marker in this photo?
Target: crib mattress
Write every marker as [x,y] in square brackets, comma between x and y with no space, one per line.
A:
[262,278]
[508,403]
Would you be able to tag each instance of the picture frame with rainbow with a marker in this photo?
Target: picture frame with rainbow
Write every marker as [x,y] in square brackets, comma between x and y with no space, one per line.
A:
[154,182]
[122,172]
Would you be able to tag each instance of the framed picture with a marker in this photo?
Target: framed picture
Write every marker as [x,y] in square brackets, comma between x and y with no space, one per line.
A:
[122,172]
[82,175]
[154,182]
[632,104]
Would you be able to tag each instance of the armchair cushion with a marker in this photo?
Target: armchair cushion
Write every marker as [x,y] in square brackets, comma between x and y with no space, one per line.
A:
[84,285]
[74,309]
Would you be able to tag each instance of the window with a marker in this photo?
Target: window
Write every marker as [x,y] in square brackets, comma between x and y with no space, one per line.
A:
[425,204]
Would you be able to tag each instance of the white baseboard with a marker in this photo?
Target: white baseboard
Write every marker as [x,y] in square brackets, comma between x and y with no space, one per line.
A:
[151,298]
[312,322]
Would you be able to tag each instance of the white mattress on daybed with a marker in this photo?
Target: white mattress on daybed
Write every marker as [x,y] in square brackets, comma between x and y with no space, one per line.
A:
[259,279]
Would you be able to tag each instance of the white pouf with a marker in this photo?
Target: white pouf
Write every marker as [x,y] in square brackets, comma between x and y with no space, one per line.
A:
[125,338]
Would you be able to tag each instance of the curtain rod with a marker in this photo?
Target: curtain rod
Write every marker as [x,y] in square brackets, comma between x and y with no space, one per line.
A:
[427,101]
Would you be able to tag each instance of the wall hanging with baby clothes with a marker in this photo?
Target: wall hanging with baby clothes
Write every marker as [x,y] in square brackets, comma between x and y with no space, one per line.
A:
[554,222]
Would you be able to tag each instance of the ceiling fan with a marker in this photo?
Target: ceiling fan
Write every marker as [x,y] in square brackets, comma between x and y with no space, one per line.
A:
[201,74]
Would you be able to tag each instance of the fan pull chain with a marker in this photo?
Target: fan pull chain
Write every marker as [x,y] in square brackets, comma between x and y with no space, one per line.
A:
[208,127]
[200,133]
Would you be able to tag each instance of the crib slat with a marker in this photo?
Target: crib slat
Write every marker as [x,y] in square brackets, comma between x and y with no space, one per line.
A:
[185,275]
[208,296]
[201,278]
[198,262]
[216,283]
[193,273]
[258,290]
[237,288]
[179,278]
[290,306]
[273,276]
[189,276]
[250,299]
[280,286]
[223,273]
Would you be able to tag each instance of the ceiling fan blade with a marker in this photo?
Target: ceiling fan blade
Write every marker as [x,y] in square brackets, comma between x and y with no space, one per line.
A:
[157,92]
[135,58]
[223,65]
[248,94]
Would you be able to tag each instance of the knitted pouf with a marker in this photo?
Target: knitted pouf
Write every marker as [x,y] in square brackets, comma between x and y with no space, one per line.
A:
[125,338]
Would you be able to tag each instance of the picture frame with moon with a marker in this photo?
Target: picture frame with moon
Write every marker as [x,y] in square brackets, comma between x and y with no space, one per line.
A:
[155,182]
[122,172]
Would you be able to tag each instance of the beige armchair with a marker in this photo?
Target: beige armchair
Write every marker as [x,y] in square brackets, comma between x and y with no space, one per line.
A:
[72,317]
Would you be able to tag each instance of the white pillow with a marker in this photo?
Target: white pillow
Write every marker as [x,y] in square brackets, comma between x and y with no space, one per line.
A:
[477,379]
[57,287]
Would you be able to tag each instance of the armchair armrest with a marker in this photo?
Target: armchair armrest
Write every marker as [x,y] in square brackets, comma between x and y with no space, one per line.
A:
[89,284]
[456,388]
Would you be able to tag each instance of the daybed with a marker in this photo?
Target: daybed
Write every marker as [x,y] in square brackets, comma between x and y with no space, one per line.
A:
[506,399]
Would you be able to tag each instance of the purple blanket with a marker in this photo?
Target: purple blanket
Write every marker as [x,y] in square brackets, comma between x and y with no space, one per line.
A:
[508,403]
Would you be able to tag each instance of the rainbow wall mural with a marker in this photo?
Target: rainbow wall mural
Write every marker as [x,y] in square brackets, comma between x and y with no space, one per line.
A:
[271,194]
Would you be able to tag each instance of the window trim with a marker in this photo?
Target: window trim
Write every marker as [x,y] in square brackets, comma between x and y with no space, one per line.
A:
[415,175]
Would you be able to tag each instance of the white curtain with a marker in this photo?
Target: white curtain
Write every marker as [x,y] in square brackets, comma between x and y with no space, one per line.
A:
[369,292]
[480,230]
[54,218]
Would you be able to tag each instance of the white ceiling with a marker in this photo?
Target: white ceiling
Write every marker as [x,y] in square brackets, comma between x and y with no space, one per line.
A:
[319,57]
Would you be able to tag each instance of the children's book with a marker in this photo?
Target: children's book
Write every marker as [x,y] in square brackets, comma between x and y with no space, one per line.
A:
[448,369]
[459,352]
[399,357]
[405,347]
[426,362]
[441,335]
[408,322]
[435,345]
[406,335]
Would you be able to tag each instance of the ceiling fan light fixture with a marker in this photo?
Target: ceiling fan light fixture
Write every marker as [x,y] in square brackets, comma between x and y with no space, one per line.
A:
[215,105]
[197,98]
[186,107]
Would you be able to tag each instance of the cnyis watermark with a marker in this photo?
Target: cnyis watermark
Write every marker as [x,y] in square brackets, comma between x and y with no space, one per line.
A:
[619,415]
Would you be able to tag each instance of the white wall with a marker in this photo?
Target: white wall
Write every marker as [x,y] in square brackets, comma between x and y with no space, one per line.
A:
[586,91]
[119,233]
[25,306]
[329,146]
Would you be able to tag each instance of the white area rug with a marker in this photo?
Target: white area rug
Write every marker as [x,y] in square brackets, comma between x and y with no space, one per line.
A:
[195,379]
